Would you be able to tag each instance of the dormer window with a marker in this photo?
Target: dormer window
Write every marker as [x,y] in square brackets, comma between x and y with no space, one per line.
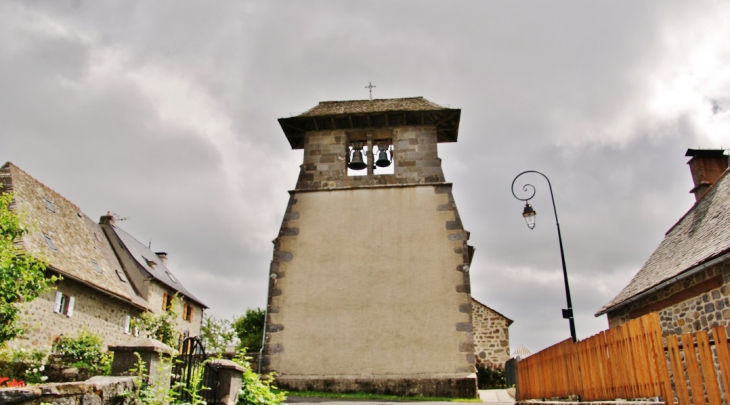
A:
[49,242]
[149,262]
[174,280]
[49,205]
[122,276]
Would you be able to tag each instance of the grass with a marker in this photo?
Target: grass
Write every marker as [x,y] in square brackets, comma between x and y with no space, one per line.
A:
[375,397]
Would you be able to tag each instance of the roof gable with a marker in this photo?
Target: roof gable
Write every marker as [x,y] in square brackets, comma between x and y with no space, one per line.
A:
[701,235]
[81,250]
[474,301]
[372,115]
[148,262]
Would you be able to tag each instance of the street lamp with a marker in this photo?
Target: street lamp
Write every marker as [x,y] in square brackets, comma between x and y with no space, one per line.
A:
[529,214]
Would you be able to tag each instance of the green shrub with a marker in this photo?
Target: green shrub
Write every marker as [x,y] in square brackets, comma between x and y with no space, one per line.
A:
[490,376]
[23,364]
[254,390]
[84,351]
[162,326]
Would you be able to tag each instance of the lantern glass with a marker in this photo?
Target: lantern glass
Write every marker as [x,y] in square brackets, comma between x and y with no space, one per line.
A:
[529,215]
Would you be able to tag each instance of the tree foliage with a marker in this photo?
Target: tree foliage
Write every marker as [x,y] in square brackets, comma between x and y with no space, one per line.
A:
[22,276]
[250,329]
[216,334]
[162,326]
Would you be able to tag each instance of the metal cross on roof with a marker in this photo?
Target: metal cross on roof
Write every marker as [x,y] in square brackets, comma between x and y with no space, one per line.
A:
[370,87]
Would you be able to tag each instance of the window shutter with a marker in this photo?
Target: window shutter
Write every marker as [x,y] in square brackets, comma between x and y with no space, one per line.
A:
[57,304]
[70,310]
[126,324]
[164,301]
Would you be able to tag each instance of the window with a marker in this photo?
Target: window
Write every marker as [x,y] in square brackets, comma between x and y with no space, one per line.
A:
[49,242]
[188,313]
[49,205]
[64,304]
[174,280]
[167,301]
[96,267]
[149,262]
[378,153]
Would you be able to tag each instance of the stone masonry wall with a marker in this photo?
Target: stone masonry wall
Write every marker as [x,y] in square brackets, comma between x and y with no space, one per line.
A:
[156,293]
[96,390]
[697,303]
[93,310]
[491,335]
[415,158]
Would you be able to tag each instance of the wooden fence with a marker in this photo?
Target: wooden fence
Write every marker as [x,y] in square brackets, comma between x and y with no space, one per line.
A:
[631,361]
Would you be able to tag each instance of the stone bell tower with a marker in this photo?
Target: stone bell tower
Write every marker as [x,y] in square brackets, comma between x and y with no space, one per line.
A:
[369,286]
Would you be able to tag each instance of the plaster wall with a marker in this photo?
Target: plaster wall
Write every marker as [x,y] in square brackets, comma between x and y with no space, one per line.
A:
[370,282]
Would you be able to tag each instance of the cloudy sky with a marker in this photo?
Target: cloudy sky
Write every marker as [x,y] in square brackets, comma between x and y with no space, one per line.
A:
[165,113]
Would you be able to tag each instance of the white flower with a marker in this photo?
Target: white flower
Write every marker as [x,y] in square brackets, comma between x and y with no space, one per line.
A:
[42,367]
[44,378]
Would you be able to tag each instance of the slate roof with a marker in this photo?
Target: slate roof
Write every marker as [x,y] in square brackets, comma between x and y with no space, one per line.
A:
[80,244]
[142,254]
[325,108]
[354,115]
[701,235]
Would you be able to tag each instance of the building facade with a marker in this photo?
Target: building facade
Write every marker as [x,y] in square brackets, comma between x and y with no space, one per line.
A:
[370,285]
[491,335]
[96,292]
[687,278]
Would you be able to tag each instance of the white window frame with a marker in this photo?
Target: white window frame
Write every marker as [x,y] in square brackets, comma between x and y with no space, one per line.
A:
[64,304]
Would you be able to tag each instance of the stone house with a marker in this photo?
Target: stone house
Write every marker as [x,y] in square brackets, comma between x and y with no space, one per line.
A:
[687,278]
[369,281]
[100,290]
[491,335]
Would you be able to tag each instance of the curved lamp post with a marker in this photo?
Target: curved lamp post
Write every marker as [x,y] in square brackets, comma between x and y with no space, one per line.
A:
[529,214]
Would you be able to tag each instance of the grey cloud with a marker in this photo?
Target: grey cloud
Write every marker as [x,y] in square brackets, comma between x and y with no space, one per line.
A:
[560,87]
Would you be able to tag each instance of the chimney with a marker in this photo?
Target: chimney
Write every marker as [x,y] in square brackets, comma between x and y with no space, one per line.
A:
[107,219]
[706,165]
[163,257]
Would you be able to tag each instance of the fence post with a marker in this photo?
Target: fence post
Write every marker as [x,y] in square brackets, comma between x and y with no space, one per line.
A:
[229,381]
[152,352]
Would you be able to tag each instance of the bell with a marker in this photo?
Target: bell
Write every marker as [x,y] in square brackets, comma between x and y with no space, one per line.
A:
[382,159]
[357,163]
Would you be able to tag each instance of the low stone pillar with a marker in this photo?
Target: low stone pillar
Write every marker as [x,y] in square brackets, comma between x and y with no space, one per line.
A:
[152,353]
[230,376]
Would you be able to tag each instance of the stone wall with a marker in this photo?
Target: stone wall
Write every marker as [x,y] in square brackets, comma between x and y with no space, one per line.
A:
[93,310]
[157,292]
[696,303]
[415,158]
[96,390]
[491,335]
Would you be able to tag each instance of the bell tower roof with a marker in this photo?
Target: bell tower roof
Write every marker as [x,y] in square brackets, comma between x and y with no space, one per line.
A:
[372,114]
